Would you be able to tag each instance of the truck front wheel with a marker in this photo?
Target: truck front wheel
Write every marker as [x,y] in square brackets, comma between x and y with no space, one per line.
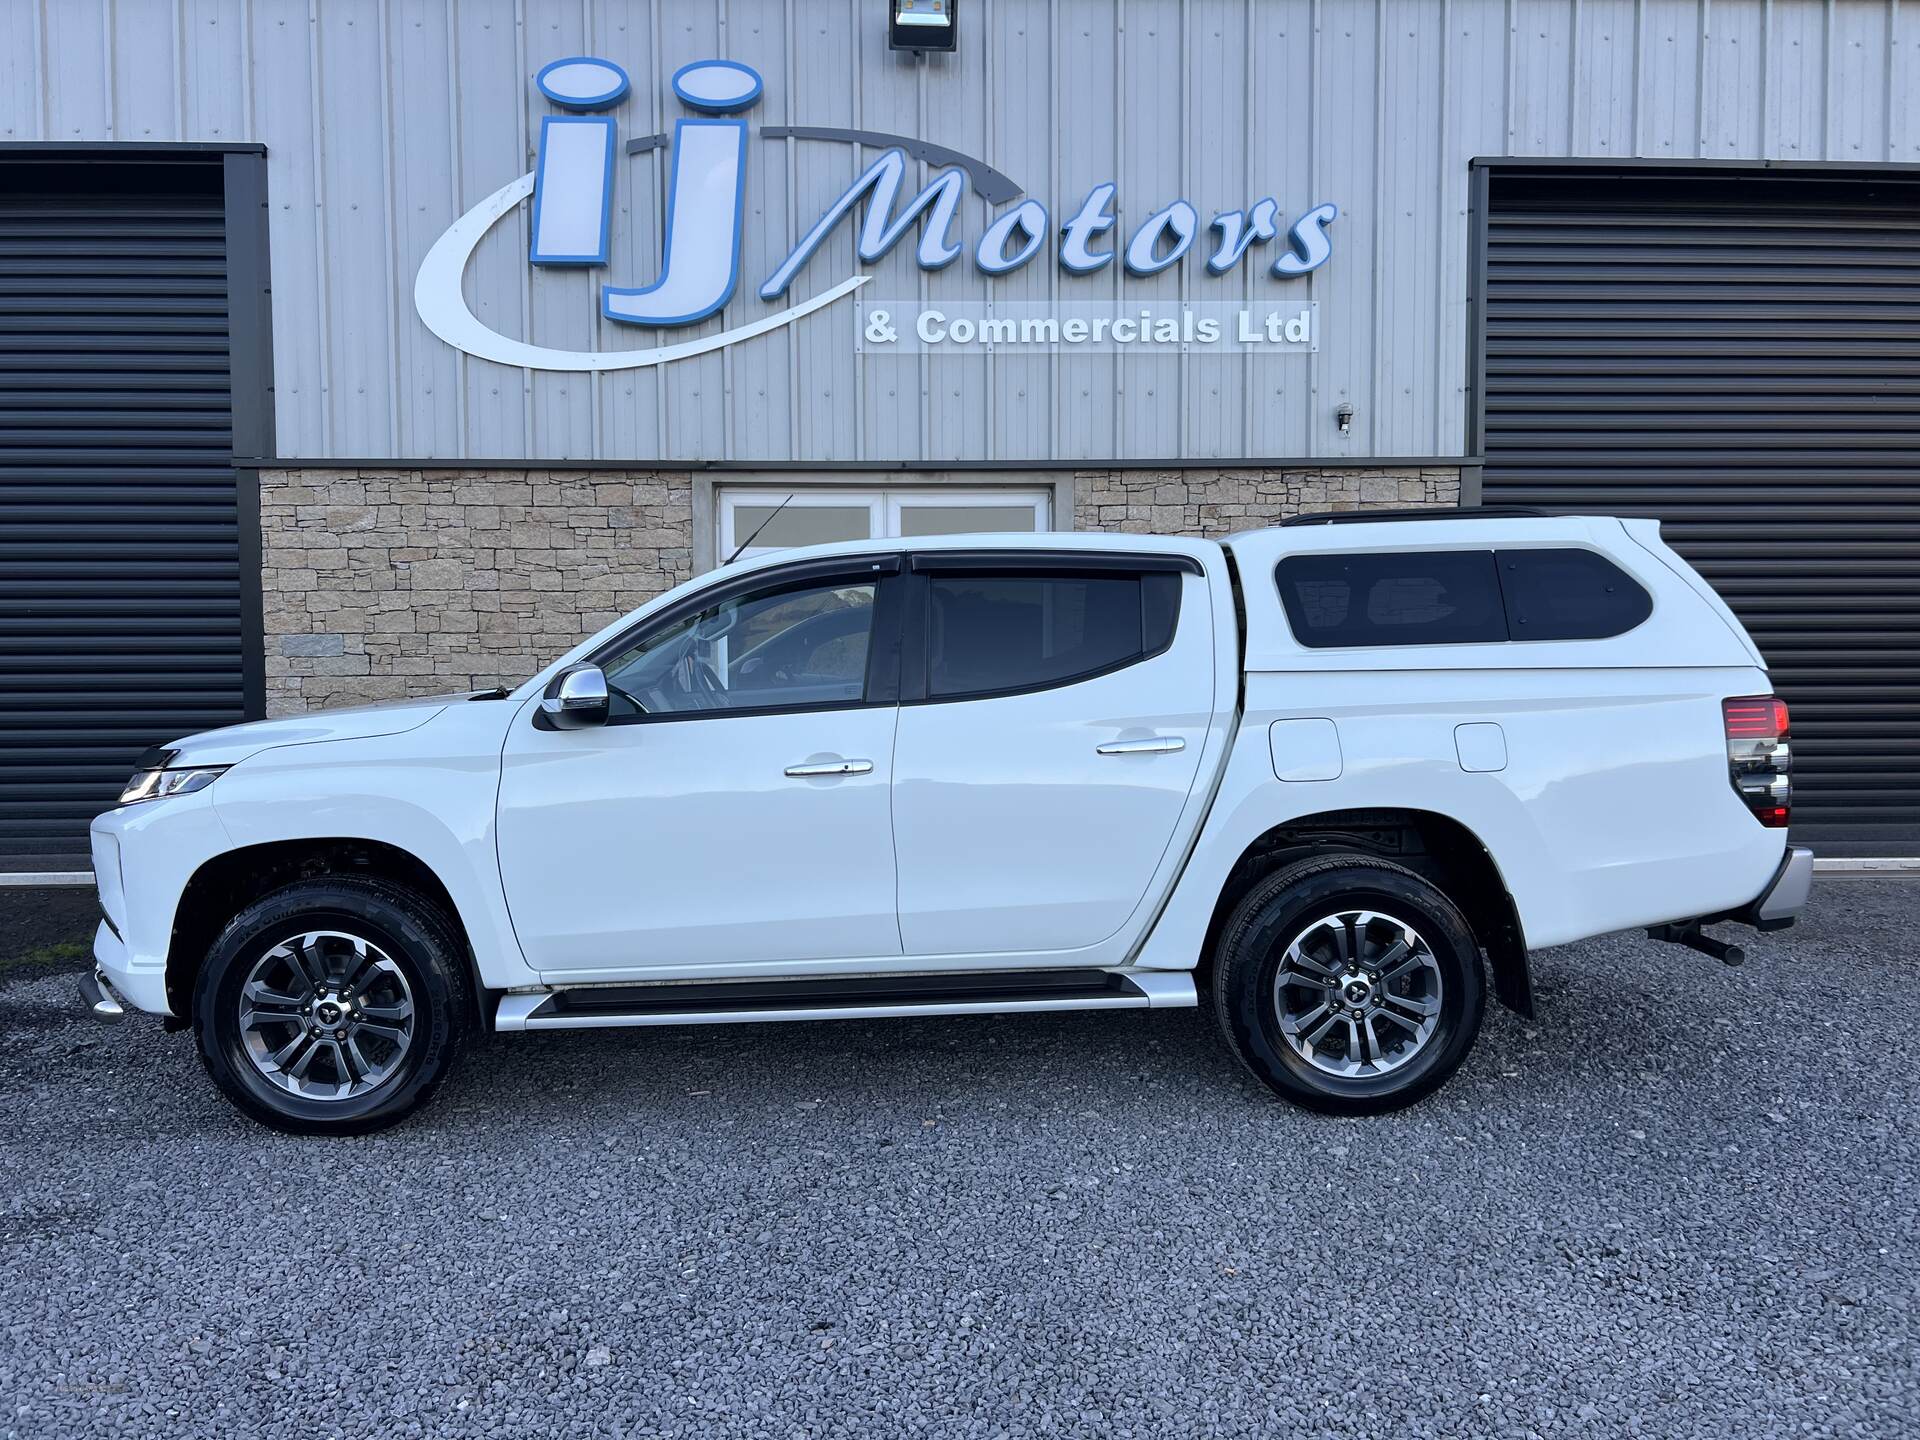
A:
[334,1006]
[1348,984]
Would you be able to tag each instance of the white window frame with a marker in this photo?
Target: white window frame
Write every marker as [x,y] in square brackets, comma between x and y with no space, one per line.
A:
[885,507]
[900,501]
[802,497]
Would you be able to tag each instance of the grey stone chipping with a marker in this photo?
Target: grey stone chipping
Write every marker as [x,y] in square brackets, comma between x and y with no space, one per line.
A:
[1680,1203]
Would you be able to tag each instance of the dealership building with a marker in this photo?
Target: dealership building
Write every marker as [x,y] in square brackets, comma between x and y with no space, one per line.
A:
[354,349]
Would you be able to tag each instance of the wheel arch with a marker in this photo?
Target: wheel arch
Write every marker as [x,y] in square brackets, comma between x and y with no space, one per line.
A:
[227,883]
[1437,847]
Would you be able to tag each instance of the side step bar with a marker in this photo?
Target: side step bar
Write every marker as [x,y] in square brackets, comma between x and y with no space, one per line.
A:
[599,1007]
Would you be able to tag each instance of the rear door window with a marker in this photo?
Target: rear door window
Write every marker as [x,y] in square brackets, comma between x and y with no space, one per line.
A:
[993,634]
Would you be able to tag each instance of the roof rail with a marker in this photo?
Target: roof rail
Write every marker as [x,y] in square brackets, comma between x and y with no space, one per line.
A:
[1437,512]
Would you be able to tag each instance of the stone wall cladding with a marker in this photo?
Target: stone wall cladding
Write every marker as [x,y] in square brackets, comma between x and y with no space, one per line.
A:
[1218,502]
[380,584]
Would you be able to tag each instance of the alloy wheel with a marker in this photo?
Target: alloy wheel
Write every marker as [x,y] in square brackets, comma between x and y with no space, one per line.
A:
[326,1015]
[1358,993]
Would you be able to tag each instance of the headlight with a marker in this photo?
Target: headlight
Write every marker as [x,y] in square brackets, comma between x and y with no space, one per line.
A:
[155,784]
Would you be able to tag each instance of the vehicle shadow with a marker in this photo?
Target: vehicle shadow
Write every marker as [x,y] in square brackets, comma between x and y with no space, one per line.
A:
[1617,1009]
[889,1067]
[957,1060]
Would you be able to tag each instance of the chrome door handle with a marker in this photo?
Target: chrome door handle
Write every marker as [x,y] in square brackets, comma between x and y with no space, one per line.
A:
[1154,745]
[831,767]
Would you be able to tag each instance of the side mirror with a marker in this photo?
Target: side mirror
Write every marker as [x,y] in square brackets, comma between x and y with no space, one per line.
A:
[576,698]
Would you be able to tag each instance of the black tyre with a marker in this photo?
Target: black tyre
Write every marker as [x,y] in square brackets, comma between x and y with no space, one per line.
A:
[333,1006]
[1348,984]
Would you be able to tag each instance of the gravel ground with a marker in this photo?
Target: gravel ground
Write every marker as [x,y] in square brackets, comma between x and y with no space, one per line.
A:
[44,929]
[1682,1202]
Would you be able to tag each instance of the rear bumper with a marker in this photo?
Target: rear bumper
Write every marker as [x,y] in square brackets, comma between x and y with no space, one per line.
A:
[1776,907]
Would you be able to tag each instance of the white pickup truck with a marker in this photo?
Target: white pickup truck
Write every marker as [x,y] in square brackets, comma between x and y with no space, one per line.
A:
[1341,776]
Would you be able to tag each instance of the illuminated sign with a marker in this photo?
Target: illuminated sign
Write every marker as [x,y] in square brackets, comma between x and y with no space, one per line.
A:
[572,188]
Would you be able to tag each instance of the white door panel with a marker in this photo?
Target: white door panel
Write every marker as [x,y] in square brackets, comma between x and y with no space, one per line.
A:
[1035,821]
[688,842]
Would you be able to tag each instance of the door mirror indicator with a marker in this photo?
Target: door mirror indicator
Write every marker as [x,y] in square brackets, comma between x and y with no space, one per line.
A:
[576,698]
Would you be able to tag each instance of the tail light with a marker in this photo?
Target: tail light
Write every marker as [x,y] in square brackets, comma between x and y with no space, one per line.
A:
[1758,756]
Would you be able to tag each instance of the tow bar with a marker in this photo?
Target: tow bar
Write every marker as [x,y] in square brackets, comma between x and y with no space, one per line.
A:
[1693,937]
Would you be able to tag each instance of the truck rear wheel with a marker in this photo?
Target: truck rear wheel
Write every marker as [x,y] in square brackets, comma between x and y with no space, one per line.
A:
[1348,984]
[334,1006]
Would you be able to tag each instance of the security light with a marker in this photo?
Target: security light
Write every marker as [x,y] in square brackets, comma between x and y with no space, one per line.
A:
[920,24]
[1343,417]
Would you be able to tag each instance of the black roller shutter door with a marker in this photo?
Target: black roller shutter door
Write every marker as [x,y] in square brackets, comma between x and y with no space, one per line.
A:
[120,594]
[1738,354]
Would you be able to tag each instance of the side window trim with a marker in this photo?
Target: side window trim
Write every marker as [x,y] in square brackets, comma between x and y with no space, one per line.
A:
[1051,562]
[883,641]
[883,571]
[914,651]
[917,652]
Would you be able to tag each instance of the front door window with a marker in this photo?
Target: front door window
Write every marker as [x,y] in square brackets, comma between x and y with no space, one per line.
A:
[791,647]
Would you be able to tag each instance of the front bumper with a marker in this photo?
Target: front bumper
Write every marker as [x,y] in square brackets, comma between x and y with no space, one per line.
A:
[143,857]
[99,996]
[135,985]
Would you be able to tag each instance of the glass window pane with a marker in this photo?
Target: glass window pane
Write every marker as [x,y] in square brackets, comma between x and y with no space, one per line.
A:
[800,524]
[1569,595]
[1432,597]
[936,519]
[988,633]
[775,650]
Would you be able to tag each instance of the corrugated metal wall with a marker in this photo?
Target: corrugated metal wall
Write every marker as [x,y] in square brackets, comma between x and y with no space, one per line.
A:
[121,609]
[1738,355]
[386,118]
